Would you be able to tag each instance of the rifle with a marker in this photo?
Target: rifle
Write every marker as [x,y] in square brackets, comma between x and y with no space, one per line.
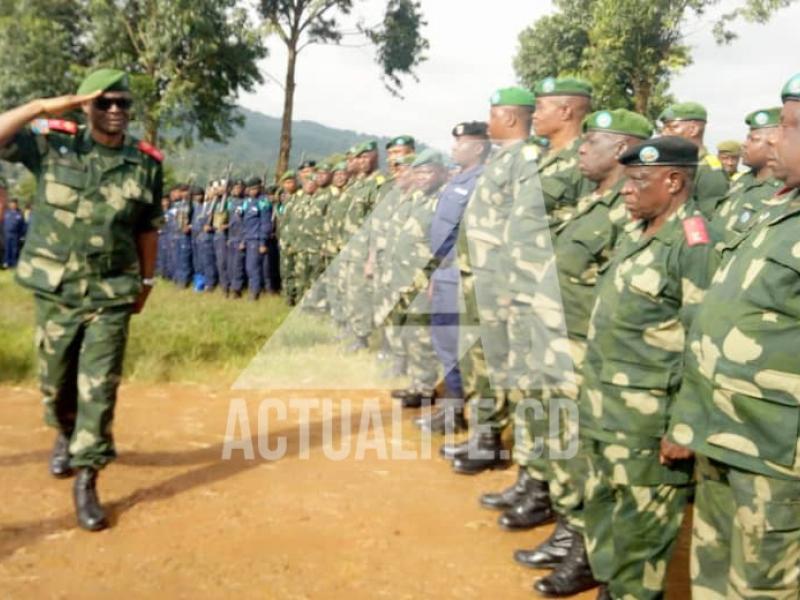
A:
[209,219]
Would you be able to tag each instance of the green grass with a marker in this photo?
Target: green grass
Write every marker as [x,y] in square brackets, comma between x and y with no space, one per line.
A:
[181,336]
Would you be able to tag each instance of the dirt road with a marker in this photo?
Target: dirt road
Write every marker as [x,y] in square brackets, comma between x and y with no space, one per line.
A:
[187,524]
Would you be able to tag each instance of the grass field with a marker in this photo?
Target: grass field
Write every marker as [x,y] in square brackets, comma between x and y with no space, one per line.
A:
[181,336]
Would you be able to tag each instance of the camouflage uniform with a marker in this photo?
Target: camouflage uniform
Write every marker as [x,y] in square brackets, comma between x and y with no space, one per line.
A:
[379,221]
[710,184]
[81,261]
[645,302]
[287,222]
[358,296]
[308,233]
[318,258]
[332,247]
[747,199]
[738,410]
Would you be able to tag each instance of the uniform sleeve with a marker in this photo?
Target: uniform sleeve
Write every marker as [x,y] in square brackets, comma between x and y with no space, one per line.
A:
[152,217]
[27,148]
[266,222]
[697,266]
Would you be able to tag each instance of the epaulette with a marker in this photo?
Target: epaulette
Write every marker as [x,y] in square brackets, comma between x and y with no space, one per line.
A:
[712,161]
[151,151]
[531,151]
[695,230]
[380,179]
[45,126]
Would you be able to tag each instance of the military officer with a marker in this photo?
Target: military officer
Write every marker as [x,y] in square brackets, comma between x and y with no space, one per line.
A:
[753,192]
[729,153]
[738,405]
[401,145]
[284,225]
[471,147]
[688,120]
[306,171]
[644,305]
[89,260]
[257,225]
[318,259]
[310,217]
[332,246]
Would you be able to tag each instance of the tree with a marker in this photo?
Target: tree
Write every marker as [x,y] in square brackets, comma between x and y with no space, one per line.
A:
[628,49]
[399,43]
[188,59]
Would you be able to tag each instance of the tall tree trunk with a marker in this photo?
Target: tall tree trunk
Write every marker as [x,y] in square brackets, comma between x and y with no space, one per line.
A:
[642,91]
[288,107]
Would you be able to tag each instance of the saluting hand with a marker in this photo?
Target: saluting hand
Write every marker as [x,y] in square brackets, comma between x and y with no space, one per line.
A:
[62,104]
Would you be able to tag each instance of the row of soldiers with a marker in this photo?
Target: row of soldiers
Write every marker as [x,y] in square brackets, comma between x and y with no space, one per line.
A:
[597,265]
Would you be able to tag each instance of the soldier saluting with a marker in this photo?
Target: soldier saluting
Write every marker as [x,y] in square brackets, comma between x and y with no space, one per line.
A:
[89,260]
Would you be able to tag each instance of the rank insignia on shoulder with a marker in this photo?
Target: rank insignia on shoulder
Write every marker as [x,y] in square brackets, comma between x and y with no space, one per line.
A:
[151,151]
[694,228]
[45,126]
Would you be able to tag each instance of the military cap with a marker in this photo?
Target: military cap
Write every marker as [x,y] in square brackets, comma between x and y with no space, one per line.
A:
[401,140]
[428,157]
[474,128]
[669,150]
[513,96]
[340,166]
[325,167]
[766,117]
[563,86]
[621,121]
[105,80]
[371,146]
[791,91]
[684,111]
[253,182]
[271,189]
[352,150]
[729,147]
[287,175]
[307,164]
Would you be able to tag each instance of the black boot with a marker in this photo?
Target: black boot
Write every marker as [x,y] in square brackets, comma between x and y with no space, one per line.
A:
[450,451]
[448,419]
[87,505]
[59,458]
[533,510]
[550,553]
[361,343]
[417,400]
[603,593]
[486,453]
[509,496]
[573,575]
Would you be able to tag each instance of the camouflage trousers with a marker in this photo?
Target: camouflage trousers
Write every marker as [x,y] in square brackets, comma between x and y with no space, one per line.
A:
[334,289]
[309,267]
[288,275]
[358,299]
[745,536]
[80,353]
[633,513]
[413,330]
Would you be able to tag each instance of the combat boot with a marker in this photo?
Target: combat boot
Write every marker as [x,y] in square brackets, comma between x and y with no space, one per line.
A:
[90,514]
[573,575]
[450,451]
[59,458]
[532,510]
[415,399]
[550,553]
[361,343]
[510,496]
[447,419]
[486,453]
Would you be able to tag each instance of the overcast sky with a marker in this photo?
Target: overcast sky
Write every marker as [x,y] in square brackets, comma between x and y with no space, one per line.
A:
[472,47]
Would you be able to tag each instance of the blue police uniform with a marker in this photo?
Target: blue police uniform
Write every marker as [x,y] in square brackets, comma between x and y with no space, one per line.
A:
[197,228]
[183,243]
[256,223]
[453,200]
[236,251]
[219,227]
[13,233]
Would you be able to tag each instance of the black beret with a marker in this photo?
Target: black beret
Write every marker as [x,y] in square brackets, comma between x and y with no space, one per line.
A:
[669,150]
[476,128]
[308,164]
[254,182]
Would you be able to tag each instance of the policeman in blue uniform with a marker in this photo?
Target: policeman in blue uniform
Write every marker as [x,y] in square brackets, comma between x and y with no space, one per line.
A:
[198,200]
[183,237]
[470,149]
[13,233]
[257,223]
[236,238]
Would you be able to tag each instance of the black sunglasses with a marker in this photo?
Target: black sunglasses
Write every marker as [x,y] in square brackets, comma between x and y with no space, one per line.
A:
[105,104]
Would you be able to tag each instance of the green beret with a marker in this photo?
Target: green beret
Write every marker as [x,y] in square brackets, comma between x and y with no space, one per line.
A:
[401,140]
[791,91]
[352,151]
[341,166]
[513,96]
[253,182]
[684,111]
[106,80]
[563,86]
[428,157]
[729,147]
[326,167]
[670,150]
[287,175]
[766,117]
[621,121]
[371,146]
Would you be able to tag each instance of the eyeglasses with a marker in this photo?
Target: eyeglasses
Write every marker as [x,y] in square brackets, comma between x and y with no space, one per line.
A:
[105,104]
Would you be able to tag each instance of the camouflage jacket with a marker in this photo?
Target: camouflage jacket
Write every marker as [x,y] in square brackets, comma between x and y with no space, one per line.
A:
[381,216]
[334,219]
[310,221]
[562,182]
[645,301]
[363,195]
[747,199]
[710,184]
[288,220]
[583,246]
[740,400]
[91,202]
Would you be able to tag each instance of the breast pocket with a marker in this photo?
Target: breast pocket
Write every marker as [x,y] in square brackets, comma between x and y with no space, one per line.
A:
[63,182]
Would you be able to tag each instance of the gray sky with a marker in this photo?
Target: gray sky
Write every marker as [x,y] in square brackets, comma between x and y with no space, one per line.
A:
[472,47]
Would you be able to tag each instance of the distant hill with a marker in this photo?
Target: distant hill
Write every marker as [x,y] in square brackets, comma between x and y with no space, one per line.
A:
[255,146]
